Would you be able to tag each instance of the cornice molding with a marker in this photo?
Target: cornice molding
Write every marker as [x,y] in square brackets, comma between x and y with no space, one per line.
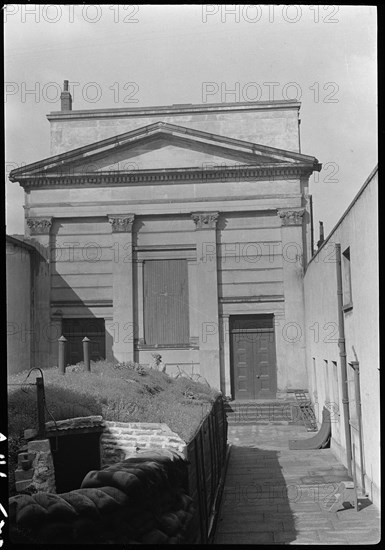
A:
[176,109]
[39,226]
[166,176]
[121,223]
[291,217]
[205,220]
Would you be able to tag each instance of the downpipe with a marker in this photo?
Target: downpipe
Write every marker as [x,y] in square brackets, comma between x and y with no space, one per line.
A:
[342,348]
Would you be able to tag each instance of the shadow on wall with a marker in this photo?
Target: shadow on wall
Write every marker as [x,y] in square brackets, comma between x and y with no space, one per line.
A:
[255,506]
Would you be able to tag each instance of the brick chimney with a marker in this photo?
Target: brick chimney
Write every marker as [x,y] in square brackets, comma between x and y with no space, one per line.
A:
[321,234]
[65,98]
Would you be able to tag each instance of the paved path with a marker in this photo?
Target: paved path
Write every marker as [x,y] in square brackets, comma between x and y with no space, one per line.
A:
[273,495]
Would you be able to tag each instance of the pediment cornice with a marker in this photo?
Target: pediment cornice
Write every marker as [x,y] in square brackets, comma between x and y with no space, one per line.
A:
[169,176]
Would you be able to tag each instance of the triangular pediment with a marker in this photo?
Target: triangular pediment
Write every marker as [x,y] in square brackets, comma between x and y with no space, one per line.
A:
[162,146]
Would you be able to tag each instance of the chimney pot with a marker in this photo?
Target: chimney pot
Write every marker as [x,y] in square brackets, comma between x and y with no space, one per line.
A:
[66,98]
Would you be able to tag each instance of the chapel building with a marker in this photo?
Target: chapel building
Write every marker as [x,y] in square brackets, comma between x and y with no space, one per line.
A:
[179,230]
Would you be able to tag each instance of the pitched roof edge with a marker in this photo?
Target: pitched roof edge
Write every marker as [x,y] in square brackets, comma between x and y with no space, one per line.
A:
[161,127]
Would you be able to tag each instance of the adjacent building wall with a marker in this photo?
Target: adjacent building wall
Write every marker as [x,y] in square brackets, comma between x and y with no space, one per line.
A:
[356,230]
[29,329]
[19,297]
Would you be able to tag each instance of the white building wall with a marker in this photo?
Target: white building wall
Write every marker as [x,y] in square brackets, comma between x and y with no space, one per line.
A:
[19,301]
[357,229]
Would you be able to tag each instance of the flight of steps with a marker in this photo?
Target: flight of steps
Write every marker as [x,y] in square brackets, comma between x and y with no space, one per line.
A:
[262,412]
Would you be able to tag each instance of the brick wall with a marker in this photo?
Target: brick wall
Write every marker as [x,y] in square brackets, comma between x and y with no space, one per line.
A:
[121,440]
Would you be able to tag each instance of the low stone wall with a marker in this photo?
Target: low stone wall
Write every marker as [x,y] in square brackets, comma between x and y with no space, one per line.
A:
[140,500]
[35,470]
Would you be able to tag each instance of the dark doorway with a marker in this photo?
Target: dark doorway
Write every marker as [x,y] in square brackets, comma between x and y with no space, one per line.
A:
[74,457]
[75,330]
[253,356]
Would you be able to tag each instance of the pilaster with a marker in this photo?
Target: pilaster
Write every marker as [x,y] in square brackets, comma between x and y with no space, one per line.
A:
[207,296]
[122,273]
[293,331]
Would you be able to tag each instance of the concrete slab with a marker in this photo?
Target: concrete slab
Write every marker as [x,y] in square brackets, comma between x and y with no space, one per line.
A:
[273,495]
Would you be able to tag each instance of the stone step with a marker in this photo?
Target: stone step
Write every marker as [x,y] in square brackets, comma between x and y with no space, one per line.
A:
[264,412]
[235,420]
[249,418]
[261,422]
[259,404]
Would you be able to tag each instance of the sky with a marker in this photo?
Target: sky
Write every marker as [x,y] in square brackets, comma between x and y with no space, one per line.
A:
[142,55]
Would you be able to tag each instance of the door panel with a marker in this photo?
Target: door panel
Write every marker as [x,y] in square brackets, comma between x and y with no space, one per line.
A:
[243,350]
[253,360]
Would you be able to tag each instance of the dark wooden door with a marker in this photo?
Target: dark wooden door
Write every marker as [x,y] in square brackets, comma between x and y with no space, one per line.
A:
[253,358]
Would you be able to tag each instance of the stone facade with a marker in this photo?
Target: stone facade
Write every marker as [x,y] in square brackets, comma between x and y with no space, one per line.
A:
[171,224]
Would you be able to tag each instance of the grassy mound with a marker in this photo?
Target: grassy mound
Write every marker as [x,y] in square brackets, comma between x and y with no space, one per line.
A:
[125,392]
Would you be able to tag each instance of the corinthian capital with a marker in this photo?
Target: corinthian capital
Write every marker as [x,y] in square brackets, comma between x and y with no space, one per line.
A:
[121,223]
[39,226]
[291,217]
[205,220]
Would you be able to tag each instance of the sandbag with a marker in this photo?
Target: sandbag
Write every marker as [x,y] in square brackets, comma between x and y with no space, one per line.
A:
[82,504]
[57,508]
[103,501]
[126,482]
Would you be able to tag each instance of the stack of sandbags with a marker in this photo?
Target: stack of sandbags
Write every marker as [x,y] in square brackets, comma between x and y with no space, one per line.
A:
[140,500]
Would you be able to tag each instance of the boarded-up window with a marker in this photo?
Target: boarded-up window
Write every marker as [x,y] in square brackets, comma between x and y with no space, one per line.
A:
[166,302]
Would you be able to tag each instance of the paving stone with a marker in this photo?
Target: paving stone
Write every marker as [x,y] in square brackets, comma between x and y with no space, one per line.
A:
[364,537]
[309,538]
[285,536]
[244,538]
[247,515]
[333,537]
[251,526]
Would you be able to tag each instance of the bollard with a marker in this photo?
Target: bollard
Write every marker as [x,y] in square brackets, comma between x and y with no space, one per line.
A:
[62,348]
[86,353]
